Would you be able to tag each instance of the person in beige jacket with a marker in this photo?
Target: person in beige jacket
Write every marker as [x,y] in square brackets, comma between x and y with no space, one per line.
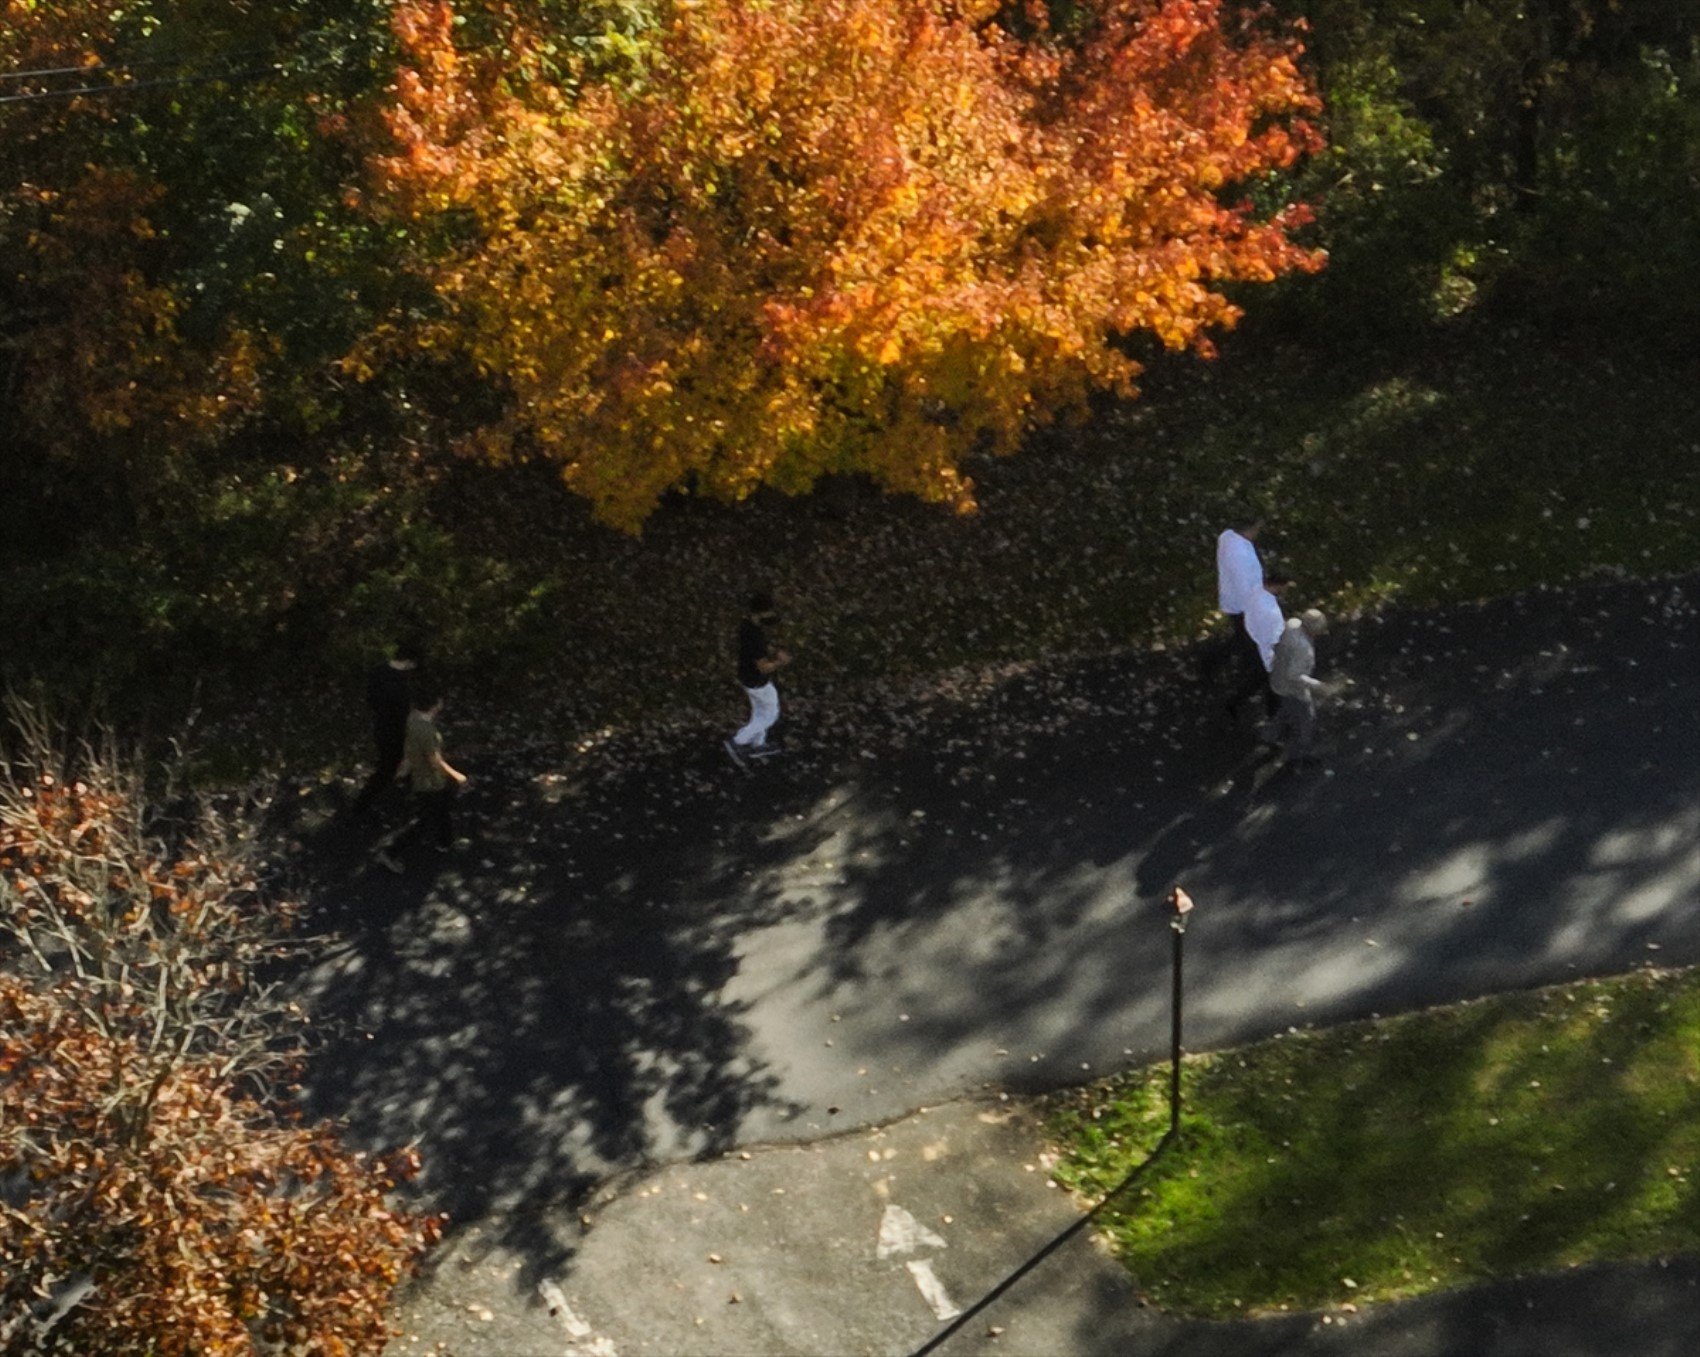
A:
[435,782]
[1292,680]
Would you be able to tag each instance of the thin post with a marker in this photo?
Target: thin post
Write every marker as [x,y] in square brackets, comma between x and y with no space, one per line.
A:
[1180,905]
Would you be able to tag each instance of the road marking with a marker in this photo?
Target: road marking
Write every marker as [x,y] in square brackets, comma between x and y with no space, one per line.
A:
[932,1290]
[900,1232]
[585,1341]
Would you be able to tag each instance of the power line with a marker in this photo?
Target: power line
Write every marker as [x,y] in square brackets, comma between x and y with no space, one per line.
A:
[297,42]
[142,63]
[249,73]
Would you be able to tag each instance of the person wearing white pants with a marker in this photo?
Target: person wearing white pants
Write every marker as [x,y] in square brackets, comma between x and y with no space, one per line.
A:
[757,663]
[764,711]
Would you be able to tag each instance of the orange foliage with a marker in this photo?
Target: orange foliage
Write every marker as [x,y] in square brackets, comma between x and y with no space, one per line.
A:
[106,354]
[35,35]
[99,343]
[136,1154]
[818,236]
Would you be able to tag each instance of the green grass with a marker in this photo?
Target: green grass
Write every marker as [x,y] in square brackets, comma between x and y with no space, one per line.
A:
[1522,1133]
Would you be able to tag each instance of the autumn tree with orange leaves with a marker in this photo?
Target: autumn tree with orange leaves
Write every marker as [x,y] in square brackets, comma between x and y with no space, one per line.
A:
[152,1197]
[819,236]
[88,309]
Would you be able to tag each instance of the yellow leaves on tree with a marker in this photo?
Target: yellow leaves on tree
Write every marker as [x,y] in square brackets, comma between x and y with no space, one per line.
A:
[832,235]
[35,35]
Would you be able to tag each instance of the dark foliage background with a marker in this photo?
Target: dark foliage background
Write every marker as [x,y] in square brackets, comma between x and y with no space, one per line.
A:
[1490,386]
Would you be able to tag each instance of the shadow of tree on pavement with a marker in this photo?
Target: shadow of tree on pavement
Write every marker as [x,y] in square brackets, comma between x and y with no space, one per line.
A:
[671,957]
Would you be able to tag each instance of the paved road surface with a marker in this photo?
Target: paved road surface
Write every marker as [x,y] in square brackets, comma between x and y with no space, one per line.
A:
[962,892]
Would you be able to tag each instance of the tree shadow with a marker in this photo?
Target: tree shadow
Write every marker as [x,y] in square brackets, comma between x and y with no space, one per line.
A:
[540,1009]
[1585,1312]
[1350,1175]
[1490,819]
[962,887]
[1373,1130]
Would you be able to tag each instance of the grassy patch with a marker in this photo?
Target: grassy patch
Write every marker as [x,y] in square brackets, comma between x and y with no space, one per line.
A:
[1521,1133]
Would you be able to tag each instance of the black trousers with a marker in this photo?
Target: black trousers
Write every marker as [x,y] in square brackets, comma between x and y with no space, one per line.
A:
[390,740]
[435,820]
[1238,654]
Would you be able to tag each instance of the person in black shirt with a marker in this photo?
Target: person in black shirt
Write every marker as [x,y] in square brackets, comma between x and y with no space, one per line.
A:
[757,664]
[388,696]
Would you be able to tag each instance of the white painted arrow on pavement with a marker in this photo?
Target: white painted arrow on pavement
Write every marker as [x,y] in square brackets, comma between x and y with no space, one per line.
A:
[932,1290]
[900,1232]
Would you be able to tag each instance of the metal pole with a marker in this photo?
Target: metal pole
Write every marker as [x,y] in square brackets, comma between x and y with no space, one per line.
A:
[1181,905]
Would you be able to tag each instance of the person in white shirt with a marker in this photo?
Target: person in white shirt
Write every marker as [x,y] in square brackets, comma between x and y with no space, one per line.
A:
[1262,624]
[1239,572]
[1239,586]
[1292,680]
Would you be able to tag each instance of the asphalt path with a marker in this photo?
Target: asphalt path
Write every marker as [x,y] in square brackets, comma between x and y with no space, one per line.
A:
[943,1233]
[645,955]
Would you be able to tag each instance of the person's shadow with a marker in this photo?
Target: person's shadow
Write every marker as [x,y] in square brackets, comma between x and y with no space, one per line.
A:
[1217,813]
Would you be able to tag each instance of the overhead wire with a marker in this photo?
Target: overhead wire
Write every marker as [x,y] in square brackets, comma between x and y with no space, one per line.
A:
[140,64]
[250,73]
[291,57]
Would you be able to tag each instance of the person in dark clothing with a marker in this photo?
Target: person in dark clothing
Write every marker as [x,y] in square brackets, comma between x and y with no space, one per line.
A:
[757,664]
[388,695]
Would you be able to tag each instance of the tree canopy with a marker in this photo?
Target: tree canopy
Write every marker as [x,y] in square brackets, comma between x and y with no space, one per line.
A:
[816,236]
[263,267]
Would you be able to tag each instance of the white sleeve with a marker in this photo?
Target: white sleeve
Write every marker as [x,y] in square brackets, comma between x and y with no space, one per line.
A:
[1239,574]
[1264,624]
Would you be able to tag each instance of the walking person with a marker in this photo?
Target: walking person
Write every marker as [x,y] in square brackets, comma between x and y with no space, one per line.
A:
[758,662]
[1262,624]
[389,700]
[1239,587]
[435,782]
[1293,681]
[1239,569]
